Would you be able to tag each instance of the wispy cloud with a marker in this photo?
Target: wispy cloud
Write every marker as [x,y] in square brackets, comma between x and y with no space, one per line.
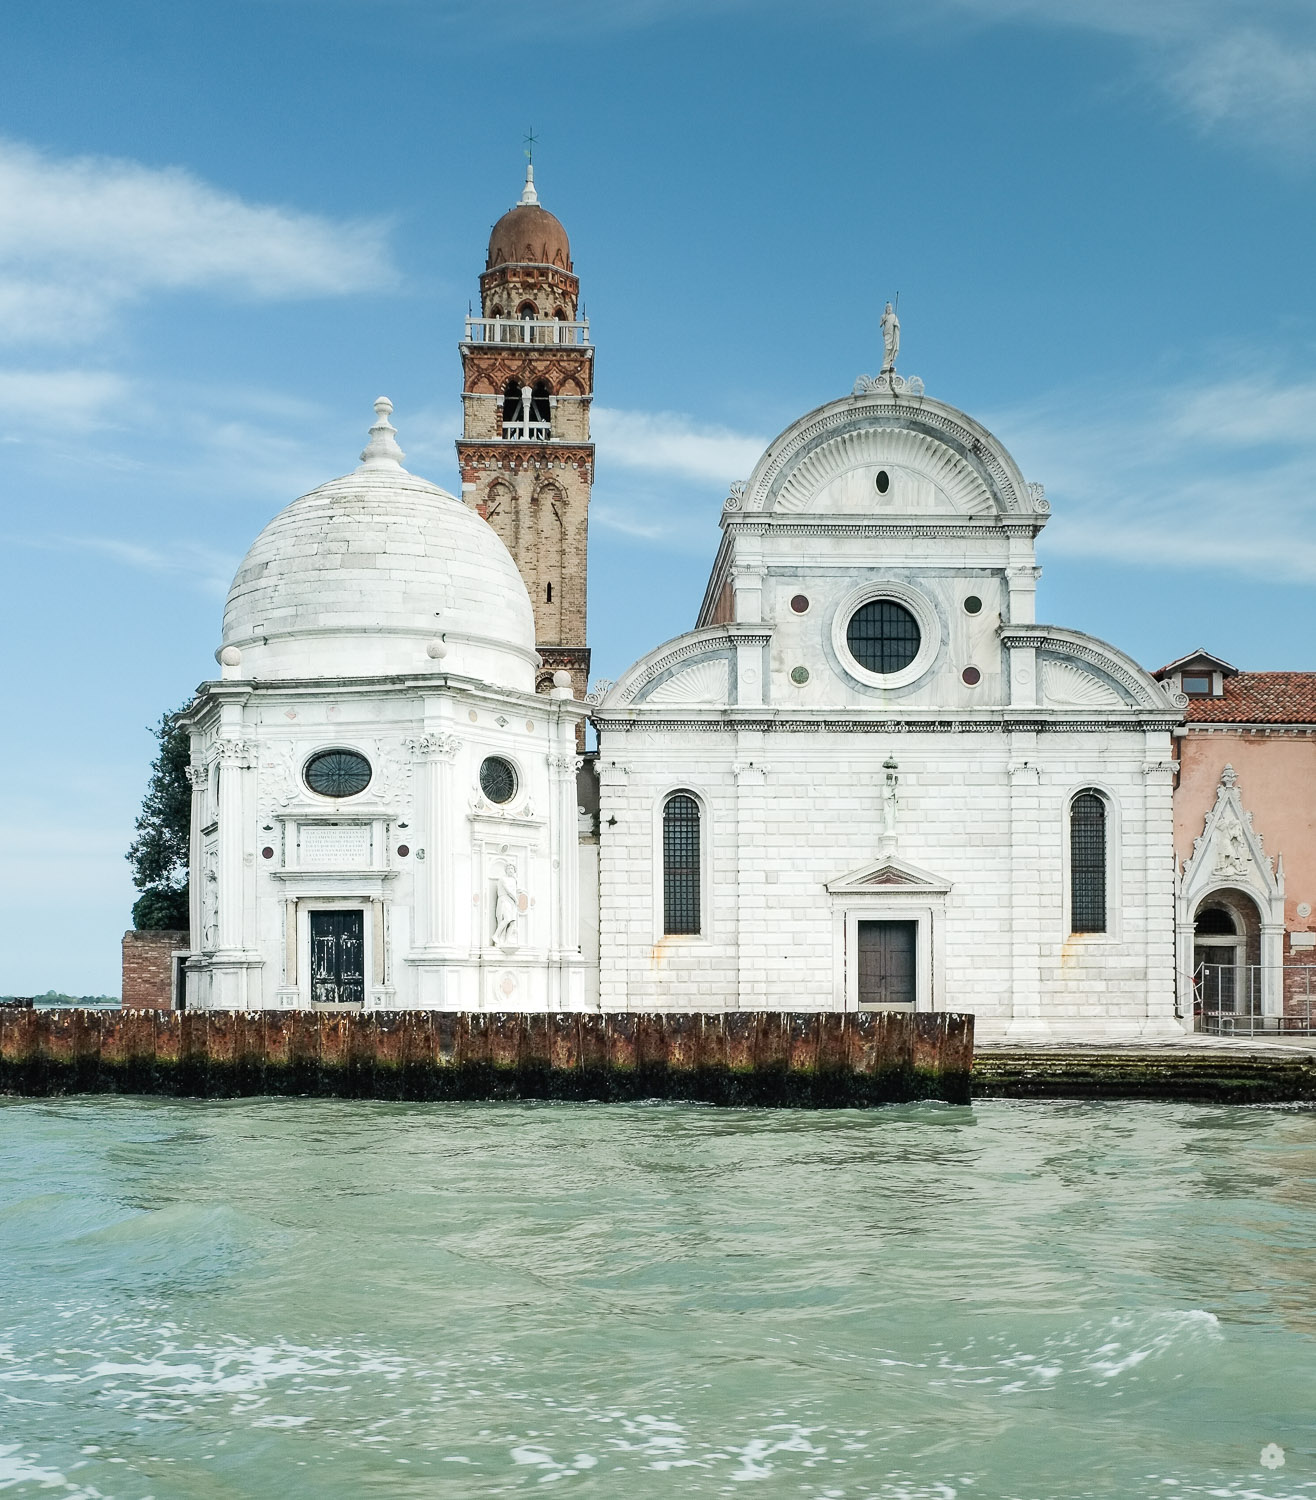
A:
[675,444]
[211,569]
[1247,64]
[1218,474]
[80,237]
[34,403]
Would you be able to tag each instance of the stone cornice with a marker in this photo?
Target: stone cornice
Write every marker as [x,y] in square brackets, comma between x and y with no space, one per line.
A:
[769,524]
[556,446]
[466,688]
[1010,721]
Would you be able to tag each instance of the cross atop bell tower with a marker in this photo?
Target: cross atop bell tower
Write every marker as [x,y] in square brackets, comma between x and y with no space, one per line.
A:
[526,459]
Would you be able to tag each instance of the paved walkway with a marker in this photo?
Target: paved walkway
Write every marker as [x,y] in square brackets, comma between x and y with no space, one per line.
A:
[1187,1045]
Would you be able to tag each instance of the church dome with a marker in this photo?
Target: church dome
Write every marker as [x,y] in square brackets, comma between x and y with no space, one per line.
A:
[528,235]
[379,573]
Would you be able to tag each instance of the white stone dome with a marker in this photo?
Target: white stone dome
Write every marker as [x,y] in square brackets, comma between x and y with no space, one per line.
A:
[362,576]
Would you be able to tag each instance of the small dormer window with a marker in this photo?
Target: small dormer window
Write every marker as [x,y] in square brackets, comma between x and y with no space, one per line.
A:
[1197,684]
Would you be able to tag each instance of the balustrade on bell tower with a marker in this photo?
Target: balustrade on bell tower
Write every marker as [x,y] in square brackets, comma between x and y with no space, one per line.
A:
[525,454]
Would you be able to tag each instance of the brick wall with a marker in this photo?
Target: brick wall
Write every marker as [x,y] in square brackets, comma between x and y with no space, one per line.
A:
[148,968]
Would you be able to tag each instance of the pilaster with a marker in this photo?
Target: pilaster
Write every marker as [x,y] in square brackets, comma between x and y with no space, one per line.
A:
[1026,857]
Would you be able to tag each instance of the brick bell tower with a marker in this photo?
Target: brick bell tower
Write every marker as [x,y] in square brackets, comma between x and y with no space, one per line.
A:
[526,459]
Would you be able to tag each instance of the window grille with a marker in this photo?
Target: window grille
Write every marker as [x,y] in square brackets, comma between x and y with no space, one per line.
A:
[1087,863]
[681,864]
[883,636]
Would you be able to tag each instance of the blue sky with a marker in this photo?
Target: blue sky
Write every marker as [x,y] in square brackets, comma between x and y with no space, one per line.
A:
[225,227]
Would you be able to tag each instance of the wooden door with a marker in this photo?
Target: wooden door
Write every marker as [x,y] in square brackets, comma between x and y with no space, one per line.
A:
[338,958]
[887,971]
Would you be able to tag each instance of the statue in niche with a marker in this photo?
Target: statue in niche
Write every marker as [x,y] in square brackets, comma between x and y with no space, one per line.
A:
[210,902]
[890,325]
[889,796]
[507,908]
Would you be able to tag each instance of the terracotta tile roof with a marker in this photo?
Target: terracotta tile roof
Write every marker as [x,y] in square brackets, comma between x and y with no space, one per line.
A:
[1259,698]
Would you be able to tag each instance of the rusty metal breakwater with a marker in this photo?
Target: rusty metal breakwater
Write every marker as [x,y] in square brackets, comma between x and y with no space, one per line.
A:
[803,1059]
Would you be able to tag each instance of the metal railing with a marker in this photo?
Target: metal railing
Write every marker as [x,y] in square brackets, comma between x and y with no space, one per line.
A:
[528,432]
[1255,999]
[526,331]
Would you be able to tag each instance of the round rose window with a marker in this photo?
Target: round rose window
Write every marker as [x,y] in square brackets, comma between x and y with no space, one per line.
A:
[497,779]
[883,636]
[337,773]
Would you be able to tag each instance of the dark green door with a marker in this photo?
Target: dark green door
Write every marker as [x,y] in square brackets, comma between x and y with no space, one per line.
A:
[338,958]
[887,963]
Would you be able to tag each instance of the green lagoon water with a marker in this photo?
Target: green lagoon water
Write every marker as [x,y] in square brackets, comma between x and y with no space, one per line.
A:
[319,1298]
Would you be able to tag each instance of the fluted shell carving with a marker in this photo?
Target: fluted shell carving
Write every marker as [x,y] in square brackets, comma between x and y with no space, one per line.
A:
[705,682]
[926,476]
[1066,686]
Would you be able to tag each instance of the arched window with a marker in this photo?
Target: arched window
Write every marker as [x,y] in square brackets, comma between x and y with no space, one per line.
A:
[512,401]
[1087,863]
[681,864]
[540,410]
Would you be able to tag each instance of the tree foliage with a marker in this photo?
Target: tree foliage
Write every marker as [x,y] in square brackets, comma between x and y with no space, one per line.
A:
[161,906]
[159,853]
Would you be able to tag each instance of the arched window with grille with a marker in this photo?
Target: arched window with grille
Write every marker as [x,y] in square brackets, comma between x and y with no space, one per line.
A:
[1087,862]
[681,865]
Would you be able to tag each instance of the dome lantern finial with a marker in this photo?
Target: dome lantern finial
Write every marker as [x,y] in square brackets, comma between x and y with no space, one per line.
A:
[528,195]
[382,451]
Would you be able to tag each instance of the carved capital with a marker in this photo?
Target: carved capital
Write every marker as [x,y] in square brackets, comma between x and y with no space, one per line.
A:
[566,764]
[233,751]
[433,746]
[611,772]
[197,774]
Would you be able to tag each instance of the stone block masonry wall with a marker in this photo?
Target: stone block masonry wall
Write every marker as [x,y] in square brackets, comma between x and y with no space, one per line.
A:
[806,1060]
[148,959]
[784,815]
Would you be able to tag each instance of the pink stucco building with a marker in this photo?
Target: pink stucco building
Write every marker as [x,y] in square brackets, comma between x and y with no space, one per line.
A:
[1245,841]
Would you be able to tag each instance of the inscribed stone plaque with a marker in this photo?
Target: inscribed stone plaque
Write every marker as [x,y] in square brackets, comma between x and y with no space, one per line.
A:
[341,848]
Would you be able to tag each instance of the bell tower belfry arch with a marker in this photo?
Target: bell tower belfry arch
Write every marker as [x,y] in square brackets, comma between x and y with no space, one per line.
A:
[526,459]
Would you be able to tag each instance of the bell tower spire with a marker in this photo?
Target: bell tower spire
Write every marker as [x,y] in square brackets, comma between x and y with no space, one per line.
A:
[526,459]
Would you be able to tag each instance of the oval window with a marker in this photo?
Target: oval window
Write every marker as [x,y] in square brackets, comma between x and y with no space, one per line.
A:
[883,481]
[337,773]
[883,636]
[497,779]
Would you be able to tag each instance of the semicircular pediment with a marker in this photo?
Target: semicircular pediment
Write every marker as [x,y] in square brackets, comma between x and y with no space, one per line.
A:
[841,476]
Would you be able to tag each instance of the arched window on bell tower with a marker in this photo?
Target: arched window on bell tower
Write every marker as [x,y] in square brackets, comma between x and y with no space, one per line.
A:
[511,403]
[527,412]
[541,409]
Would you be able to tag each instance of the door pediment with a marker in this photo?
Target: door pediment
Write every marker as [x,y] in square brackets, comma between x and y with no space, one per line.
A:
[888,876]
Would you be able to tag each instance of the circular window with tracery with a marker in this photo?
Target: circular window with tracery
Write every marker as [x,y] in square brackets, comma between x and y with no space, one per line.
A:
[497,779]
[883,636]
[337,773]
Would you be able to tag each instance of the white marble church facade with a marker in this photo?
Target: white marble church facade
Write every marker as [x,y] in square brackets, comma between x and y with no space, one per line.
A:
[861,820]
[867,778]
